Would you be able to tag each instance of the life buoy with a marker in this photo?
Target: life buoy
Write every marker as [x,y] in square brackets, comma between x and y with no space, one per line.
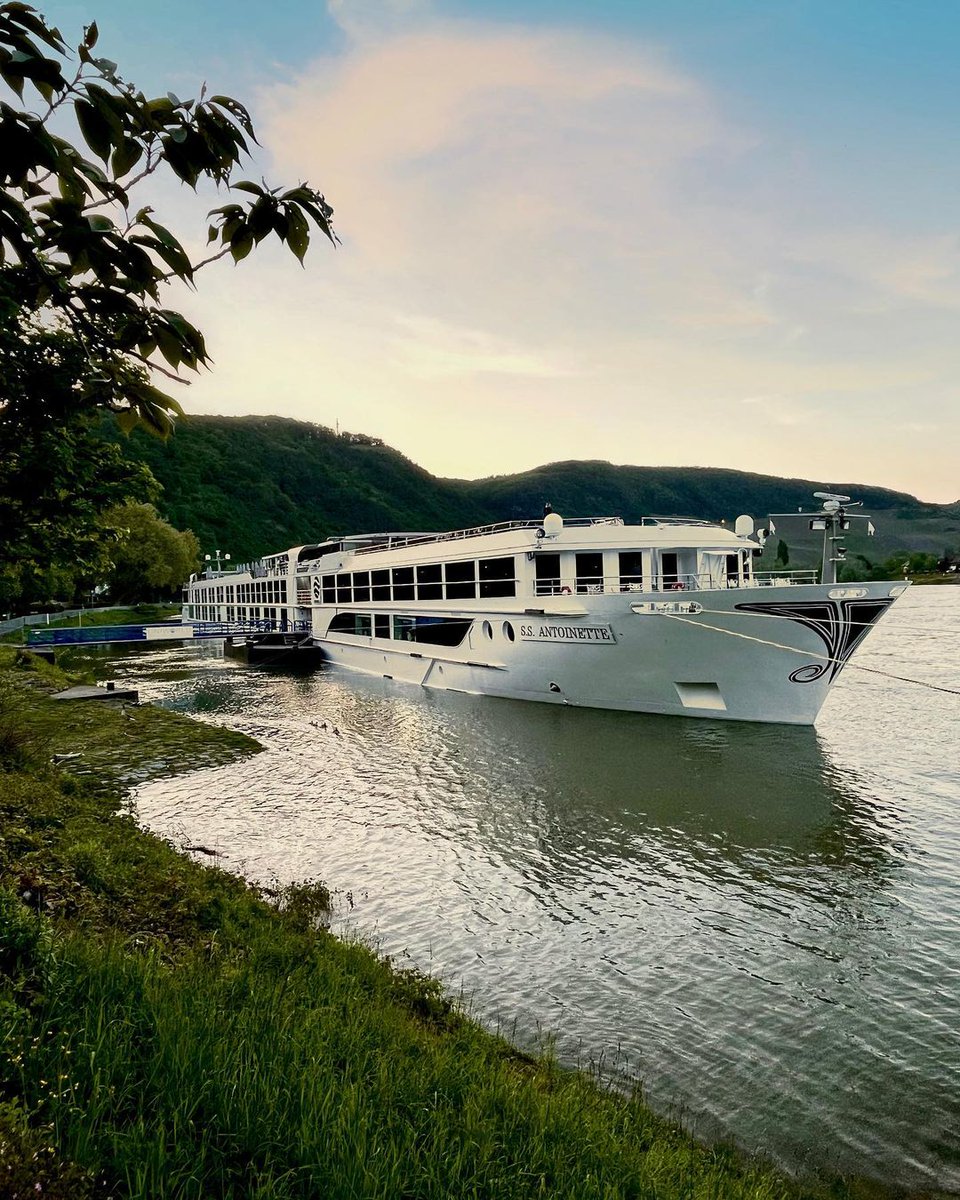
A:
[564,591]
[678,587]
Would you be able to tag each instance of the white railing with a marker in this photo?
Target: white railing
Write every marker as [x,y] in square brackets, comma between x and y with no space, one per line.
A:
[393,541]
[666,582]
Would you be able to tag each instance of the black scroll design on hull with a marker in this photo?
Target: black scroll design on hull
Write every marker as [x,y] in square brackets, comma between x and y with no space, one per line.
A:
[840,624]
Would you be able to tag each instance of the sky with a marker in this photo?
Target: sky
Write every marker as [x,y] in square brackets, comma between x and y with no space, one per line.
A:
[662,232]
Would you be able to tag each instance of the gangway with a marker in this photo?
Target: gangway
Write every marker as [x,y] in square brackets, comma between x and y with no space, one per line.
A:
[163,631]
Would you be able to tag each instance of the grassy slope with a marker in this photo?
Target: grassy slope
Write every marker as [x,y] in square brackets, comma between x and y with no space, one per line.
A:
[167,1033]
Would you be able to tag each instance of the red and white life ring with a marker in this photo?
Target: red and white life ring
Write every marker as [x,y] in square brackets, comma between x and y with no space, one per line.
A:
[564,591]
[677,587]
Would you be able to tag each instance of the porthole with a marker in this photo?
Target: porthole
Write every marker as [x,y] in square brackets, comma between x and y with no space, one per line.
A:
[488,630]
[508,631]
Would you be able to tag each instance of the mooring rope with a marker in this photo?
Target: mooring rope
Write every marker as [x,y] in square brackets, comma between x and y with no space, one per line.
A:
[934,687]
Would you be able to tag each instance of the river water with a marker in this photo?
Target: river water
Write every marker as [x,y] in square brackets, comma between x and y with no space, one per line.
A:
[761,923]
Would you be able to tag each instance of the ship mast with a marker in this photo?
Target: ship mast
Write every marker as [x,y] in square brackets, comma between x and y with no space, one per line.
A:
[833,518]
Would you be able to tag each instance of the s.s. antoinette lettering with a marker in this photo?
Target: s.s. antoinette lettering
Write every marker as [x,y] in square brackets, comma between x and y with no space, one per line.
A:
[593,634]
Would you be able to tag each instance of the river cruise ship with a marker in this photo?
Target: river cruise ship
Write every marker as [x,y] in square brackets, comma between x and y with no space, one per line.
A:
[667,615]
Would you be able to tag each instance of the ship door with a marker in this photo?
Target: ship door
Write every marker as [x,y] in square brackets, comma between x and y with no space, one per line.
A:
[589,572]
[547,569]
[669,566]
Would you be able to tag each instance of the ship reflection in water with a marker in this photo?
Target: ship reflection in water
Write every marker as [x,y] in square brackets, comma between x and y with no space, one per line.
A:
[762,923]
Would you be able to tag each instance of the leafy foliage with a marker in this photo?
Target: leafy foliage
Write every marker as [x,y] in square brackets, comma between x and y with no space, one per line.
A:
[149,556]
[75,248]
[56,476]
[249,485]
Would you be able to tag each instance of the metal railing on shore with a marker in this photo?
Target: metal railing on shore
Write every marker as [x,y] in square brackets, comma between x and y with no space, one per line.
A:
[30,620]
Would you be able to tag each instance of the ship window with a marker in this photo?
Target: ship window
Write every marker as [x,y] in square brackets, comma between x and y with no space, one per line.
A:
[381,584]
[461,580]
[488,630]
[430,582]
[404,628]
[441,631]
[381,626]
[631,571]
[497,577]
[402,584]
[547,568]
[589,572]
[733,568]
[343,588]
[361,587]
[329,589]
[356,624]
[508,632]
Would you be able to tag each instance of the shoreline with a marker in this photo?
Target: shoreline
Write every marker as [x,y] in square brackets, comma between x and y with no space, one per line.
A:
[195,1005]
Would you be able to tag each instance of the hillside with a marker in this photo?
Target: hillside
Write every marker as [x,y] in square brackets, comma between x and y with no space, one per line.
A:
[251,485]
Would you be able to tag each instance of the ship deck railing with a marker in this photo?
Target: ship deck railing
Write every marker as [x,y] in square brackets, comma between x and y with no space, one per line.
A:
[672,582]
[342,591]
[396,541]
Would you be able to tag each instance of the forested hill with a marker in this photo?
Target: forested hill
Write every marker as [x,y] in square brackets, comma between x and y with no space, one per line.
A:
[253,485]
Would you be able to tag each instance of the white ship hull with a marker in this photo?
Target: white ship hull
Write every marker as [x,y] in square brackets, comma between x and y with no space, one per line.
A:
[767,654]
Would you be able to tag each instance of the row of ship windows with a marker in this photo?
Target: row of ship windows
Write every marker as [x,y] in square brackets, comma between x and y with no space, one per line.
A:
[435,631]
[213,612]
[466,580]
[260,591]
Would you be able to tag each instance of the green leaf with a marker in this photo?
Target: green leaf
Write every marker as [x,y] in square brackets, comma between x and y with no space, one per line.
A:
[100,224]
[241,246]
[237,111]
[298,232]
[126,156]
[97,133]
[128,419]
[168,345]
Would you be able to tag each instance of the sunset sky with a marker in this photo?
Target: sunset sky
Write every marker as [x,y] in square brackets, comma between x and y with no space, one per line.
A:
[683,232]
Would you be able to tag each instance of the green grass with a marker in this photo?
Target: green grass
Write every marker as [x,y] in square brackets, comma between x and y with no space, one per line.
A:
[165,1031]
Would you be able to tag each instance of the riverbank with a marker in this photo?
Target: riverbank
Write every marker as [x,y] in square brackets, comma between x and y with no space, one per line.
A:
[167,1031]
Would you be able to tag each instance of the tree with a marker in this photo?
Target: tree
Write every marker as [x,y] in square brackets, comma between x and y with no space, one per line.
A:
[82,272]
[57,473]
[77,253]
[148,554]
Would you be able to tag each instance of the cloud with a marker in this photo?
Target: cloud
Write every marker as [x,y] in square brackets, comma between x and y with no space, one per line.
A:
[428,348]
[374,20]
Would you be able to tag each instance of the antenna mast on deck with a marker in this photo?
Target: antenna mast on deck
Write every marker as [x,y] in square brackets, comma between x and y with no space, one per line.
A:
[833,518]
